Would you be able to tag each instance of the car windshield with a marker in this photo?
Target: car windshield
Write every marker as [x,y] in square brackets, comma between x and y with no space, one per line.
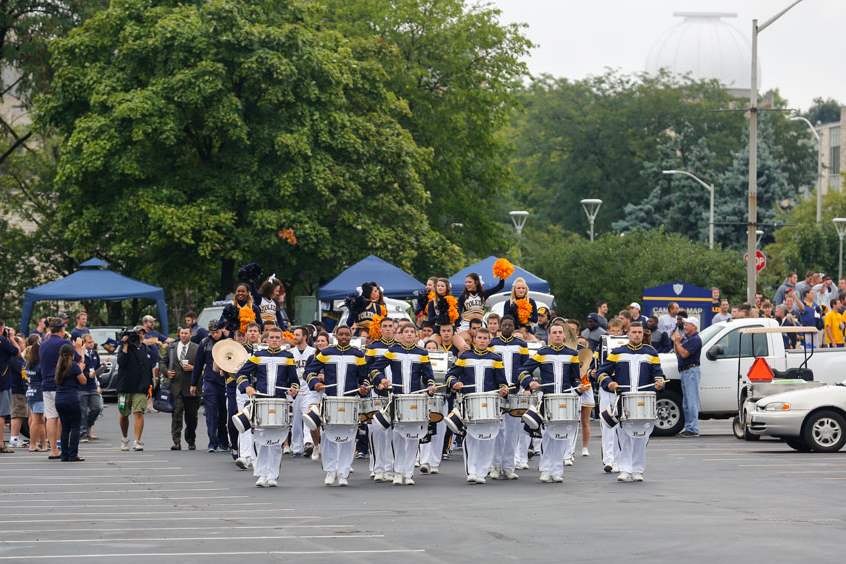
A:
[101,334]
[709,332]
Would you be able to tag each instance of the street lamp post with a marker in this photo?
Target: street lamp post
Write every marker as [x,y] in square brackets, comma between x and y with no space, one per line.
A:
[591,207]
[759,234]
[840,225]
[518,219]
[819,164]
[710,188]
[752,220]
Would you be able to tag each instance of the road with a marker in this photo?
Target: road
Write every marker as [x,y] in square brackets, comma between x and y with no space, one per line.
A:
[712,499]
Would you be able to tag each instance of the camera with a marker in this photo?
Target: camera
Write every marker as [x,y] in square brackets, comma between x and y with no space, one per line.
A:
[132,336]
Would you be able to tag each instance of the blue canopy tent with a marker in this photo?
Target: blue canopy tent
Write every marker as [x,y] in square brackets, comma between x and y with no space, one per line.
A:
[484,268]
[93,282]
[395,282]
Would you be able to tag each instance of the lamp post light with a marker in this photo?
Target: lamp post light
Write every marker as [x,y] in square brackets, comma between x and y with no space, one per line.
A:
[518,219]
[710,188]
[819,165]
[840,225]
[759,234]
[591,207]
[752,220]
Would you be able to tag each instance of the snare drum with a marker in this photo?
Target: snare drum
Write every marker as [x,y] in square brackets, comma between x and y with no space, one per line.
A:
[639,406]
[411,408]
[271,413]
[516,405]
[561,407]
[482,407]
[340,410]
[369,406]
[436,405]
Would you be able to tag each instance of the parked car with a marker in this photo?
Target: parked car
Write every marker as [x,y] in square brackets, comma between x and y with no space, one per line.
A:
[812,419]
[211,313]
[720,363]
[107,359]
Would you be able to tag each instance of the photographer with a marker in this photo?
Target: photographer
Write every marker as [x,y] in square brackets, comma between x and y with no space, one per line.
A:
[134,379]
[9,352]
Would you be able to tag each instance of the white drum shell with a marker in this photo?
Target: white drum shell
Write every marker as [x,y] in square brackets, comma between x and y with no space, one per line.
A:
[482,407]
[271,413]
[340,411]
[436,403]
[411,408]
[639,406]
[561,407]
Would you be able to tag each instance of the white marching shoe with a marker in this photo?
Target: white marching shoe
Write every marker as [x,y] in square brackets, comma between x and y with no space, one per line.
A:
[261,482]
[637,477]
[409,481]
[585,452]
[272,483]
[397,479]
[330,479]
[558,478]
[510,475]
[342,481]
[545,478]
[624,477]
[379,477]
[494,474]
[569,461]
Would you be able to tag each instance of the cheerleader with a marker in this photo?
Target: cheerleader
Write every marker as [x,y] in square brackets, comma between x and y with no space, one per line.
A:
[269,308]
[423,298]
[471,303]
[522,308]
[368,303]
[442,309]
[241,311]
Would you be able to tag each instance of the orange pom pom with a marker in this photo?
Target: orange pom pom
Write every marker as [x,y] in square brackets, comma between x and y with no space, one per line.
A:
[288,336]
[524,310]
[453,308]
[503,268]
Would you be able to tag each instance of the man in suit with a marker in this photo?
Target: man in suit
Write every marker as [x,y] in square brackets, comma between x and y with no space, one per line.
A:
[178,366]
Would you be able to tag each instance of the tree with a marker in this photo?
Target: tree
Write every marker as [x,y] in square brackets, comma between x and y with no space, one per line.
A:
[457,67]
[200,135]
[823,110]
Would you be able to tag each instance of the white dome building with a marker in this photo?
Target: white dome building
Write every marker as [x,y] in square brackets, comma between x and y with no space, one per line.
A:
[705,46]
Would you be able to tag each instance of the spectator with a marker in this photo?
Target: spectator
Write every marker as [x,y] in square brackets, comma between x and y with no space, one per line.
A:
[135,379]
[634,309]
[542,330]
[8,354]
[754,312]
[35,397]
[90,400]
[69,379]
[759,298]
[197,333]
[791,304]
[789,283]
[744,311]
[41,327]
[602,312]
[593,332]
[178,366]
[733,314]
[833,324]
[805,285]
[687,350]
[825,291]
[17,369]
[625,318]
[81,325]
[724,314]
[153,337]
[667,322]
[48,359]
[841,287]
[660,340]
[427,328]
[810,317]
[767,309]
[785,319]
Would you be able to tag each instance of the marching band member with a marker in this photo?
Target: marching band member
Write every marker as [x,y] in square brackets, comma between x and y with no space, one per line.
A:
[242,442]
[214,389]
[629,368]
[311,398]
[381,452]
[240,312]
[301,440]
[494,322]
[521,307]
[367,304]
[273,371]
[438,447]
[559,371]
[410,372]
[606,400]
[344,370]
[471,303]
[514,354]
[479,370]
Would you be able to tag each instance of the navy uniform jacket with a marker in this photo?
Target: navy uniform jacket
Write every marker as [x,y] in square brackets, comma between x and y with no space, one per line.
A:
[480,369]
[630,365]
[410,369]
[557,365]
[344,366]
[373,352]
[514,353]
[204,366]
[92,362]
[256,370]
[511,309]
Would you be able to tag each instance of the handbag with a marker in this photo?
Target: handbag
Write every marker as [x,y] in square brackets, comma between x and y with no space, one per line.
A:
[164,398]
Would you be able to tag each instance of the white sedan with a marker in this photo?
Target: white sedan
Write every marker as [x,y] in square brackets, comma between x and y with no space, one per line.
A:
[807,420]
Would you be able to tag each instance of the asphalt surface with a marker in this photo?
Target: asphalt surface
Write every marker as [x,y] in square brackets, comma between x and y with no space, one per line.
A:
[711,499]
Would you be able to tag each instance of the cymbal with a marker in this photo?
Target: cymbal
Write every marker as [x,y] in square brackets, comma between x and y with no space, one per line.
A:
[229,355]
[585,358]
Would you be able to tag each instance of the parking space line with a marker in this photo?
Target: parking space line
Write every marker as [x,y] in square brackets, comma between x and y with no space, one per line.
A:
[118,491]
[119,484]
[87,476]
[77,519]
[104,513]
[17,502]
[123,555]
[166,539]
[204,529]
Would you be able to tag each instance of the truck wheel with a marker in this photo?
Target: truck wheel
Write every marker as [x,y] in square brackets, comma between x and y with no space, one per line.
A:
[741,431]
[798,445]
[824,431]
[670,420]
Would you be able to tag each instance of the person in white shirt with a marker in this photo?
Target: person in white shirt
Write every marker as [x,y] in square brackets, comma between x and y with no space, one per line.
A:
[667,322]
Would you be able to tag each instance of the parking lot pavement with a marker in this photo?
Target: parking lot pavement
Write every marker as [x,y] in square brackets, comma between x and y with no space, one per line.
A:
[709,499]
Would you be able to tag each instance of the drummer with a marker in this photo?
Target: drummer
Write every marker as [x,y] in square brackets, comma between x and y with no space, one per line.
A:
[381,452]
[244,441]
[410,372]
[343,370]
[478,370]
[274,372]
[559,372]
[514,353]
[629,368]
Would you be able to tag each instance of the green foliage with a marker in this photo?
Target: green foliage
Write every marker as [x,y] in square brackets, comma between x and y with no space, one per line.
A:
[823,110]
[617,268]
[195,133]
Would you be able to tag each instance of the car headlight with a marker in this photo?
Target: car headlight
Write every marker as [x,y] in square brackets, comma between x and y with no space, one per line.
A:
[777,406]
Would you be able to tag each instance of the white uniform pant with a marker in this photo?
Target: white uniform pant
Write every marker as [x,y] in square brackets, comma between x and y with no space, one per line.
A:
[297,428]
[337,457]
[521,454]
[506,442]
[405,453]
[572,442]
[381,450]
[431,452]
[268,444]
[553,452]
[245,439]
[478,455]
[632,455]
[609,434]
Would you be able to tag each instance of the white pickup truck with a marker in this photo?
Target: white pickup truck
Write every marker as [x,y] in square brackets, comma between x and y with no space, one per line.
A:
[719,368]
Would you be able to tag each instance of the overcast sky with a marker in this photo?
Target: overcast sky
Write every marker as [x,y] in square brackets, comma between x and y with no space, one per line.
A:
[803,53]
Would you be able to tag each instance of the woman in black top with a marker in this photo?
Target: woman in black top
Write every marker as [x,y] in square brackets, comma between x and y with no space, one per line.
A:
[69,380]
[35,397]
[471,303]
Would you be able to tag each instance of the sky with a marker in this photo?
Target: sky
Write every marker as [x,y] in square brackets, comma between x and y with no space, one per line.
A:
[802,54]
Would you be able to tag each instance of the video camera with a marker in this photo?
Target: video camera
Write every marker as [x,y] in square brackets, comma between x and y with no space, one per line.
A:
[132,336]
